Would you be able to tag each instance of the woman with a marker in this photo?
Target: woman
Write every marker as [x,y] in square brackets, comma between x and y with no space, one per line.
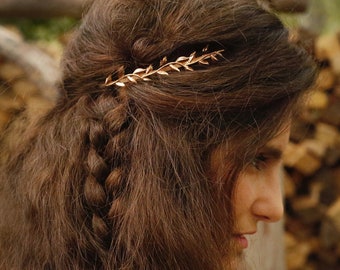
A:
[163,151]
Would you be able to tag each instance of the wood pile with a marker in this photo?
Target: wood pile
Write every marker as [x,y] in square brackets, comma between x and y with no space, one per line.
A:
[24,81]
[18,92]
[312,161]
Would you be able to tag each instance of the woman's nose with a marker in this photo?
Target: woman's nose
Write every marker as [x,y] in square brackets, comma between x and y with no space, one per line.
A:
[268,205]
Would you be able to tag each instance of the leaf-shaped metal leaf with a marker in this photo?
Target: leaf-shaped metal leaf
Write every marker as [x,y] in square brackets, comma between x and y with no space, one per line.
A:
[182,58]
[203,62]
[131,79]
[162,72]
[219,53]
[108,80]
[188,68]
[163,61]
[191,56]
[174,67]
[109,83]
[149,69]
[120,84]
[139,70]
[213,57]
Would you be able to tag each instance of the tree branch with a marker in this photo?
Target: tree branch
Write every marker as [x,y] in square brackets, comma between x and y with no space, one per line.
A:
[289,6]
[40,67]
[41,8]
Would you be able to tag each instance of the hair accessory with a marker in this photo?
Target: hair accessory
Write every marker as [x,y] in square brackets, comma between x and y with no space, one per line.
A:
[182,62]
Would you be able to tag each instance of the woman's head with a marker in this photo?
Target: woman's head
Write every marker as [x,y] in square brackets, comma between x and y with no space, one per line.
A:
[171,124]
[137,188]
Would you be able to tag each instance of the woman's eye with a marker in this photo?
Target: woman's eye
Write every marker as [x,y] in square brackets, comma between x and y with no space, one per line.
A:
[259,162]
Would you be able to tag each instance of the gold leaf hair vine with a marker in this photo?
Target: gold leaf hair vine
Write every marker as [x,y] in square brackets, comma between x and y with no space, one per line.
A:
[182,62]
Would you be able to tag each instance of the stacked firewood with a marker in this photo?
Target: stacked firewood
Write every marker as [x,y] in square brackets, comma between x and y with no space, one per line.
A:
[26,83]
[17,92]
[312,161]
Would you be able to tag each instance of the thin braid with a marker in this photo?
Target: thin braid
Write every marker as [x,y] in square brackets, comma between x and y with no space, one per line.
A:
[107,156]
[94,190]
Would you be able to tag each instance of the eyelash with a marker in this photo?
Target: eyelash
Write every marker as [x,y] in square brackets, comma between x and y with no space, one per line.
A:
[259,162]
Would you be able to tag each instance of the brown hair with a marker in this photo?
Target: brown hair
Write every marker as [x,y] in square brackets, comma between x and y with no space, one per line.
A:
[117,178]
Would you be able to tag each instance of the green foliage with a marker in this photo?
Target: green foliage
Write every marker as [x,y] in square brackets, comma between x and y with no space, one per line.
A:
[322,16]
[332,9]
[42,29]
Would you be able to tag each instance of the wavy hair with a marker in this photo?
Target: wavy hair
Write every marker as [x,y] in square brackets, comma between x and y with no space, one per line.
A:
[118,177]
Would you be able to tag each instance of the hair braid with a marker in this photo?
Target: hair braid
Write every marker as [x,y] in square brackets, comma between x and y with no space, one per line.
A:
[95,194]
[107,153]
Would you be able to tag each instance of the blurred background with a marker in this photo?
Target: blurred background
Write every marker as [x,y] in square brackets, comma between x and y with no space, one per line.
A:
[33,34]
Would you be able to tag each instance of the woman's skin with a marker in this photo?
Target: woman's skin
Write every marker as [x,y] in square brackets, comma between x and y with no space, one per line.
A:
[258,194]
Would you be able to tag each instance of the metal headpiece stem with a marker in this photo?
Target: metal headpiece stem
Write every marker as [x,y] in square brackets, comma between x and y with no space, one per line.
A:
[182,62]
